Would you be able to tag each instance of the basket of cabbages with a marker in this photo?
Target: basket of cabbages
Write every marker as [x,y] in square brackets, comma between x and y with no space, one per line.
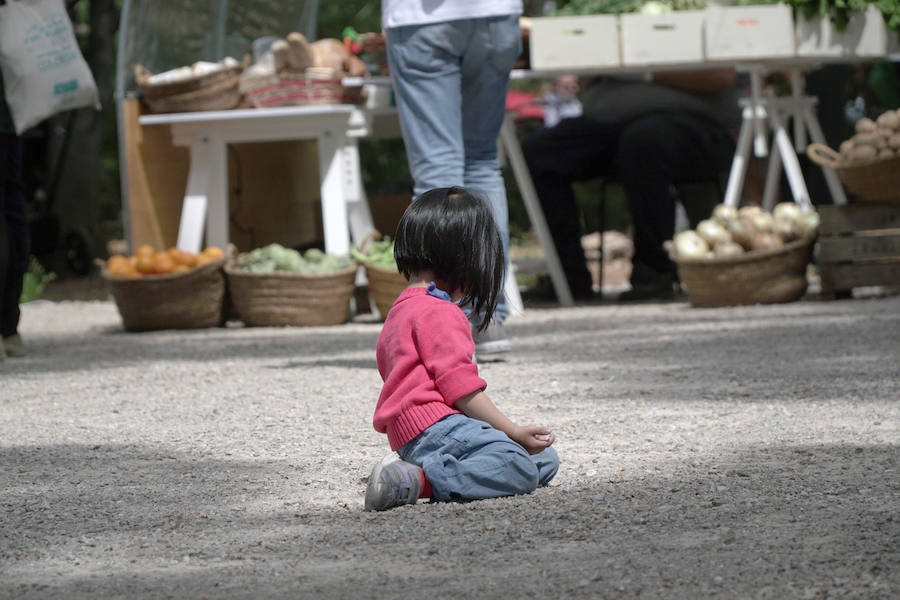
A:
[278,286]
[386,283]
[746,256]
[868,164]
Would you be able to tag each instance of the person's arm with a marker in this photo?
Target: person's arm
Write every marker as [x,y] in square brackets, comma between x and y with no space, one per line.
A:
[478,406]
[703,81]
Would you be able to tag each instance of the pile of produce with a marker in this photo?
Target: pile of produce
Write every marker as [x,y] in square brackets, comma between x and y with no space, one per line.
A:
[731,232]
[873,139]
[198,69]
[276,257]
[379,253]
[294,54]
[147,261]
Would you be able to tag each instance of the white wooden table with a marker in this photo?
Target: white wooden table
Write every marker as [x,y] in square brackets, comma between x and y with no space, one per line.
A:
[335,129]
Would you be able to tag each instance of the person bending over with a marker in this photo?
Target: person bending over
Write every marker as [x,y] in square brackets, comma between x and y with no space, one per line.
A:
[679,128]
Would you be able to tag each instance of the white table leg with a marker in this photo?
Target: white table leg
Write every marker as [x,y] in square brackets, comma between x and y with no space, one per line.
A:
[741,156]
[193,209]
[535,212]
[797,109]
[789,159]
[359,214]
[760,146]
[217,221]
[334,204]
[773,178]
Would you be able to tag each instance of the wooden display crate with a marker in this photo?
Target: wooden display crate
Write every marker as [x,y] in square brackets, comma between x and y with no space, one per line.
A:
[859,245]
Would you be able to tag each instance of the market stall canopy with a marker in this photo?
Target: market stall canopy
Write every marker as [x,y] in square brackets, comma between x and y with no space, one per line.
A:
[165,35]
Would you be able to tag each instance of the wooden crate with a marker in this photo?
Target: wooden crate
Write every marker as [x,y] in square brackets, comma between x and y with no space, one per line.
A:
[859,245]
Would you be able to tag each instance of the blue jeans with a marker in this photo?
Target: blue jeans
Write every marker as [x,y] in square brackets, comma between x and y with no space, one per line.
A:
[467,459]
[450,82]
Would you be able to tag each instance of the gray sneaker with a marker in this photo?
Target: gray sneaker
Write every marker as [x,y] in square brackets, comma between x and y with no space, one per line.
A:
[491,341]
[13,346]
[393,483]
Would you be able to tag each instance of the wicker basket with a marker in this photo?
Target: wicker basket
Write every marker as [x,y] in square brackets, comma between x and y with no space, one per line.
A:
[756,277]
[217,90]
[384,284]
[190,300]
[876,180]
[384,287]
[282,298]
[314,86]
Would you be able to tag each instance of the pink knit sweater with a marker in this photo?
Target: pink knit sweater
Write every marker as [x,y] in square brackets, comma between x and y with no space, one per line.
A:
[424,356]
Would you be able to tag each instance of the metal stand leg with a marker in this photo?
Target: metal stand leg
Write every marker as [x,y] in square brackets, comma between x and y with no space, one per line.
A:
[741,156]
[535,212]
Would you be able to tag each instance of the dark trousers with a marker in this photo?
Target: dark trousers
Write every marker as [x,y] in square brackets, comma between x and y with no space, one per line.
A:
[648,155]
[14,242]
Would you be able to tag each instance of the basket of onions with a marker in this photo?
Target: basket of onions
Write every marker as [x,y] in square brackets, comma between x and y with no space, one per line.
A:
[746,256]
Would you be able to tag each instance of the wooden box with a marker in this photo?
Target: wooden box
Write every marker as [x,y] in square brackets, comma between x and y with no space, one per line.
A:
[859,245]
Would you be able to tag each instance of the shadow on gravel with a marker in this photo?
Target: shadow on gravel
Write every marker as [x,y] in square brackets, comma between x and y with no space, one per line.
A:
[300,346]
[775,522]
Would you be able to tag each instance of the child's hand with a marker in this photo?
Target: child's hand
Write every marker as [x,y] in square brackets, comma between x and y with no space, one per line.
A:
[534,439]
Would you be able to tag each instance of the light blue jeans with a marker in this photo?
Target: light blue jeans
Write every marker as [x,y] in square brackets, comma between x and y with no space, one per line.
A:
[467,459]
[450,82]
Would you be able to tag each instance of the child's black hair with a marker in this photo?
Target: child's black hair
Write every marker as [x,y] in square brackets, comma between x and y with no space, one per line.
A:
[452,232]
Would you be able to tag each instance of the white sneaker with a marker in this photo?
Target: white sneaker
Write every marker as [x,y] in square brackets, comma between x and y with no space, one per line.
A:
[491,341]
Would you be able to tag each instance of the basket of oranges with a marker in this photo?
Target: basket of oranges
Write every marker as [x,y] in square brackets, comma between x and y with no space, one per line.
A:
[169,289]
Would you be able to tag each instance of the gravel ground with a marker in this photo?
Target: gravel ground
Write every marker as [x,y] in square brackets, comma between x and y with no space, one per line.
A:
[734,453]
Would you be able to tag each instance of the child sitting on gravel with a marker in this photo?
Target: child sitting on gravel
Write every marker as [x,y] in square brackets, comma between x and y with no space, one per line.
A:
[453,441]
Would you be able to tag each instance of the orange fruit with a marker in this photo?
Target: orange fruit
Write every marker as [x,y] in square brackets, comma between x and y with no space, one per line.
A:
[202,259]
[183,257]
[163,263]
[121,268]
[145,250]
[145,263]
[115,260]
[179,268]
[214,252]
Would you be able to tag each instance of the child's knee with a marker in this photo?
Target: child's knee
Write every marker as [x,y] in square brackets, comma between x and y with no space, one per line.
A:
[524,474]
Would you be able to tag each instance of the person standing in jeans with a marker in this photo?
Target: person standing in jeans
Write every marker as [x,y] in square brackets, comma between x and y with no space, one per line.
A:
[14,239]
[450,63]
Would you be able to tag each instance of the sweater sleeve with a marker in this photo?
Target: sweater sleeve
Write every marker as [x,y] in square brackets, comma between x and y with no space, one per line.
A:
[444,342]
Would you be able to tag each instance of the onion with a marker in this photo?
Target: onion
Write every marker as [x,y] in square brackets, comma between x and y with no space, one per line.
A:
[712,232]
[749,210]
[688,244]
[767,241]
[788,231]
[742,232]
[786,211]
[727,249]
[763,222]
[724,214]
[808,223]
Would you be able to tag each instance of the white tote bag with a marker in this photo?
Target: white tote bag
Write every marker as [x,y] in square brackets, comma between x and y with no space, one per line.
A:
[43,70]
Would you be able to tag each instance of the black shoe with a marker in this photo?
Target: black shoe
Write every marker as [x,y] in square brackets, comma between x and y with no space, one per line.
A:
[544,291]
[647,284]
